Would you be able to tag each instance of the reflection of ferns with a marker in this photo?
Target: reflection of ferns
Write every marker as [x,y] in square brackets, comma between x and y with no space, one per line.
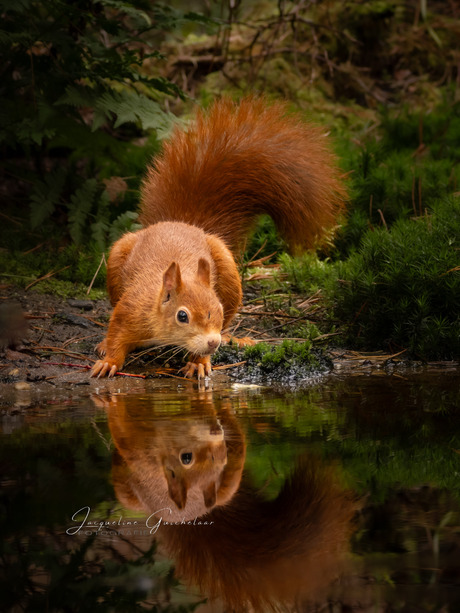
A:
[56,573]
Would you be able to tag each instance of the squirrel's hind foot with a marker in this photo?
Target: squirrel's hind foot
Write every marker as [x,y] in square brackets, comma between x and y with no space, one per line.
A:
[228,338]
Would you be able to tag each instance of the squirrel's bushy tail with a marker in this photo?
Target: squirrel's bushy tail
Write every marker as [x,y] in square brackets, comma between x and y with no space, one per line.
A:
[240,160]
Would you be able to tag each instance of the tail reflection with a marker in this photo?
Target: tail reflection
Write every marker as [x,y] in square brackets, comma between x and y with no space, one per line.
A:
[264,552]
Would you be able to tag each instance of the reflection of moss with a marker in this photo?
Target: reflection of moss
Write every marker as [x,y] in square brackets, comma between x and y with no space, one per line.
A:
[383,430]
[289,361]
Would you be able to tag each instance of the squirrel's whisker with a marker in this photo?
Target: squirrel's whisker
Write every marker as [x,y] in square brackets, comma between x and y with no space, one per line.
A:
[178,281]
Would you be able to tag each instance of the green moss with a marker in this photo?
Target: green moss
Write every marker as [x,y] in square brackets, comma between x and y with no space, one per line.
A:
[402,288]
[401,170]
[73,268]
[399,290]
[308,273]
[288,362]
[264,240]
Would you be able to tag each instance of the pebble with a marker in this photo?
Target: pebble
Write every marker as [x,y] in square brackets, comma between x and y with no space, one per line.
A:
[86,305]
[22,386]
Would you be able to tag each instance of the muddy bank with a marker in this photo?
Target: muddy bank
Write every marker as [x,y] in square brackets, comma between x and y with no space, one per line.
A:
[39,332]
[49,342]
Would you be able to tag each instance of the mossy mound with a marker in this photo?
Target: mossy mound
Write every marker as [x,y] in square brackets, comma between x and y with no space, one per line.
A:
[289,363]
[402,288]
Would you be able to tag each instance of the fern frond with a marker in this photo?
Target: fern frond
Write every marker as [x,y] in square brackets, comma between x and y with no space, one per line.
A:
[45,197]
[126,222]
[79,208]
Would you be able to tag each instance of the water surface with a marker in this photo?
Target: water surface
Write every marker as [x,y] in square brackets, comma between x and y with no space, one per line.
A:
[158,496]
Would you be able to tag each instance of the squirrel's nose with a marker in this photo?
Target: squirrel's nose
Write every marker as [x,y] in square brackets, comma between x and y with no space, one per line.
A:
[213,344]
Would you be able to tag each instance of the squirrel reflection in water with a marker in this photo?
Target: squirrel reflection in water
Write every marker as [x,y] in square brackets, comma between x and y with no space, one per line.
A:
[253,550]
[183,463]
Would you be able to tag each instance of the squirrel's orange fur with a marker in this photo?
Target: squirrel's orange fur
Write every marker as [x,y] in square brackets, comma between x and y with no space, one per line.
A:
[176,282]
[250,547]
[149,471]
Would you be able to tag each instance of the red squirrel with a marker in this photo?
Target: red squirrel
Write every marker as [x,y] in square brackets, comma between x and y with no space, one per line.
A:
[175,282]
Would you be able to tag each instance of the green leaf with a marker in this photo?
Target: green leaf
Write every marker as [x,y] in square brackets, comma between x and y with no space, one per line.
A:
[131,11]
[80,205]
[126,222]
[45,196]
[129,106]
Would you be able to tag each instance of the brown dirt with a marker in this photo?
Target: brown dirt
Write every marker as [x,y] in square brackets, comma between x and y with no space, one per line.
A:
[48,343]
[38,332]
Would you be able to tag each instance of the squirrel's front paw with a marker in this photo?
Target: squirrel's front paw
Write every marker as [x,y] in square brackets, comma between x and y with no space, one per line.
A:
[103,368]
[201,365]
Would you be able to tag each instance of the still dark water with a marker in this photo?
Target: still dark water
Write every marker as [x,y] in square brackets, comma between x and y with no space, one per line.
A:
[342,496]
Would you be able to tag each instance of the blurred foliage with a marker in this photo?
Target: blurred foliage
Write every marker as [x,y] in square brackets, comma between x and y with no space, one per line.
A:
[401,290]
[383,51]
[77,104]
[87,88]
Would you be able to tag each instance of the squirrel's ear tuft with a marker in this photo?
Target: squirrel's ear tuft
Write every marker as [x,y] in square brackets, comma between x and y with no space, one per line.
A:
[204,271]
[172,278]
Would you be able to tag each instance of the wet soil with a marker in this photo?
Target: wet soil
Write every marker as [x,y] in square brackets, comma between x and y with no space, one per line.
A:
[40,333]
[46,340]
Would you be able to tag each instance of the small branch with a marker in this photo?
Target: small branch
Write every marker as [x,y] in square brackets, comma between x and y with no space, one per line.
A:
[382,218]
[269,314]
[420,196]
[33,249]
[77,339]
[86,367]
[103,260]
[88,318]
[71,354]
[227,366]
[47,276]
[282,325]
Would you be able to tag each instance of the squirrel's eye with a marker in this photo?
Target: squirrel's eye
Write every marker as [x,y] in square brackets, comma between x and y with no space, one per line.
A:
[182,317]
[209,314]
[186,458]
